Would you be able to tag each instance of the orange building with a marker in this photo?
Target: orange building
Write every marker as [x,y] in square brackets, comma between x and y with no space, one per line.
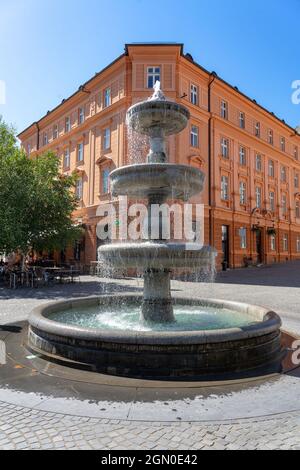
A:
[249,156]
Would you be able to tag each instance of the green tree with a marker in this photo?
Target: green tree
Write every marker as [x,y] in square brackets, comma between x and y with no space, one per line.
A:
[36,201]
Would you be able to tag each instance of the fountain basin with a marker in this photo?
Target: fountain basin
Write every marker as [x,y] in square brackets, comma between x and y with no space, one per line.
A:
[157,179]
[168,116]
[157,255]
[244,351]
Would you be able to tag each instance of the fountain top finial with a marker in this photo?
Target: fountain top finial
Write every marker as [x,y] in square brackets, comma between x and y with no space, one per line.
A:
[158,94]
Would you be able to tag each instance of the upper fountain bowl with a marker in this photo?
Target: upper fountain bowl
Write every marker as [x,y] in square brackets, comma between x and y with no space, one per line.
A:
[158,115]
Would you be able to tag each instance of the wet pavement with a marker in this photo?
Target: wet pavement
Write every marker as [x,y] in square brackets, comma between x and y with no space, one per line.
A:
[46,405]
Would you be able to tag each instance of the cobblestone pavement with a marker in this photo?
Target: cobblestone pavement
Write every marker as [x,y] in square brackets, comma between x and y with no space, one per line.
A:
[25,428]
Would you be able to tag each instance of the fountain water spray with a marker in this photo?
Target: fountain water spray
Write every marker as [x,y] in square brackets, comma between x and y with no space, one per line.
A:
[157,181]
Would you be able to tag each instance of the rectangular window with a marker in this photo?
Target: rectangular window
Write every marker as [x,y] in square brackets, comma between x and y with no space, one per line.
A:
[272,242]
[79,188]
[80,155]
[106,139]
[153,76]
[283,174]
[298,209]
[284,204]
[285,241]
[282,144]
[194,94]
[242,120]
[28,149]
[243,196]
[242,154]
[107,97]
[257,129]
[243,237]
[296,156]
[67,158]
[225,148]
[224,109]
[224,188]
[105,180]
[258,162]
[272,201]
[80,115]
[194,136]
[296,180]
[271,137]
[55,131]
[67,124]
[271,169]
[45,138]
[298,244]
[258,197]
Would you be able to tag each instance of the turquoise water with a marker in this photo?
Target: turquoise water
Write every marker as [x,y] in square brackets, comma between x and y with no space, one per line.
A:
[127,317]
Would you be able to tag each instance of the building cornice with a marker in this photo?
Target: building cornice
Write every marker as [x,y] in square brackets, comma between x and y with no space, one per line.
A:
[71,100]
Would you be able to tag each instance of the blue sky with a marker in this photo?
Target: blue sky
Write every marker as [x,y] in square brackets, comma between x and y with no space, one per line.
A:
[49,47]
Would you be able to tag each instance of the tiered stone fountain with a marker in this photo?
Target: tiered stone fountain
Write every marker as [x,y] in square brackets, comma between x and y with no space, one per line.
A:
[155,336]
[157,181]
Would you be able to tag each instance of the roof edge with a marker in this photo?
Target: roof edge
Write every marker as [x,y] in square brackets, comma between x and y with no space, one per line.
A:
[244,95]
[73,94]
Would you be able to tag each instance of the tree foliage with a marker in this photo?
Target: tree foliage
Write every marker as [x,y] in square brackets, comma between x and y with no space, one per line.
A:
[36,201]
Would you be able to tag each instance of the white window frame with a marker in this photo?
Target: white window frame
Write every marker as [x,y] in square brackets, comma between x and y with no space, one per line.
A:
[284,204]
[153,75]
[194,136]
[242,156]
[45,139]
[243,193]
[225,147]
[80,152]
[67,124]
[283,174]
[296,152]
[282,144]
[224,109]
[107,97]
[271,171]
[298,244]
[79,188]
[271,137]
[258,197]
[272,201]
[55,131]
[106,138]
[194,94]
[257,129]
[105,187]
[243,238]
[258,162]
[81,116]
[273,242]
[67,158]
[242,120]
[224,188]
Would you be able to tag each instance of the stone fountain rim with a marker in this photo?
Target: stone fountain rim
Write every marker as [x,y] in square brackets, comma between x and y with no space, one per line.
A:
[157,104]
[159,166]
[269,323]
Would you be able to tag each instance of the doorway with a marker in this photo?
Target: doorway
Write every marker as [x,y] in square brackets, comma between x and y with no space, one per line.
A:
[259,246]
[225,244]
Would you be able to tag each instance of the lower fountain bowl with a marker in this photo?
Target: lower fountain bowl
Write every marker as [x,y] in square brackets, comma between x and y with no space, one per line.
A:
[246,351]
